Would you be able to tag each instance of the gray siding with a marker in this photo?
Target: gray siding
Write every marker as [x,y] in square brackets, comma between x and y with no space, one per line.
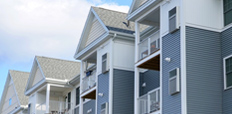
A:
[226,39]
[103,87]
[76,110]
[89,105]
[123,92]
[170,48]
[152,80]
[204,71]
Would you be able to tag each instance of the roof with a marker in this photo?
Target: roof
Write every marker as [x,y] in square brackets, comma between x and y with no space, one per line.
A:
[20,81]
[58,68]
[115,21]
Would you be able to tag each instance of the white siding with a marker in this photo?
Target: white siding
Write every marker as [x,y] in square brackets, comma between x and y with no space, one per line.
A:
[204,13]
[38,77]
[164,9]
[95,32]
[14,103]
[124,55]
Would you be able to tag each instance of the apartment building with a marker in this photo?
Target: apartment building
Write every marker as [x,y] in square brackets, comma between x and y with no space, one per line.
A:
[188,49]
[106,52]
[48,86]
[13,100]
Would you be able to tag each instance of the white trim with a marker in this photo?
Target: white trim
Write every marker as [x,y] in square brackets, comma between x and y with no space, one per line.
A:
[15,90]
[224,72]
[183,59]
[81,100]
[161,68]
[39,67]
[111,77]
[148,58]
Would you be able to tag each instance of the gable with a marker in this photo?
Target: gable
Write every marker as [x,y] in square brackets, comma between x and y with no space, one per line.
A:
[38,77]
[10,94]
[95,32]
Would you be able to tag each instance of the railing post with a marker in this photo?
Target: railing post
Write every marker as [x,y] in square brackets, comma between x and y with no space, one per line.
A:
[148,46]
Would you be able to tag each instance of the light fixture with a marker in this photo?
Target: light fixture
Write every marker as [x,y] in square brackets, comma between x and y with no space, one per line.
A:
[167,59]
[144,84]
[100,94]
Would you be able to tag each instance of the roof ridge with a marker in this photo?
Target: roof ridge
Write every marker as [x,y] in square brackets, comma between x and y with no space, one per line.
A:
[57,59]
[108,9]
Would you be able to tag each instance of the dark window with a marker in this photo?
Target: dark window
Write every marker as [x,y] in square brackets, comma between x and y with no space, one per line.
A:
[227,11]
[69,100]
[77,96]
[229,72]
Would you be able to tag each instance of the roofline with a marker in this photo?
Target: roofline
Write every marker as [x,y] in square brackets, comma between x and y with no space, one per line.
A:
[74,79]
[43,82]
[5,90]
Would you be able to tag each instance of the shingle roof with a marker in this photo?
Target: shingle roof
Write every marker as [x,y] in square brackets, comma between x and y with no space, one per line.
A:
[20,81]
[57,68]
[113,20]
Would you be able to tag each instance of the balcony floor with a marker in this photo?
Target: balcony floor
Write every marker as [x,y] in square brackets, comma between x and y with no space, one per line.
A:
[152,64]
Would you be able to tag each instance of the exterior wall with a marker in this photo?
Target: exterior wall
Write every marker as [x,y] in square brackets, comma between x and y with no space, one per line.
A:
[226,41]
[95,32]
[103,87]
[205,13]
[76,110]
[88,106]
[123,54]
[152,80]
[123,92]
[38,77]
[14,103]
[32,101]
[170,48]
[203,71]
[164,9]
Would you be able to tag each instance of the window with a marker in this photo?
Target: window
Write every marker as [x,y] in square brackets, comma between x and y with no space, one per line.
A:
[174,81]
[227,11]
[173,20]
[77,96]
[104,63]
[228,72]
[69,100]
[10,101]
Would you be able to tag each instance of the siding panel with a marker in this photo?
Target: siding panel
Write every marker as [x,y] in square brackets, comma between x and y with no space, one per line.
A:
[204,71]
[152,80]
[96,31]
[170,48]
[89,105]
[226,39]
[103,87]
[123,90]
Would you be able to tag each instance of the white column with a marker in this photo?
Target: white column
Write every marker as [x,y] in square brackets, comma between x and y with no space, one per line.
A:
[136,77]
[81,100]
[47,98]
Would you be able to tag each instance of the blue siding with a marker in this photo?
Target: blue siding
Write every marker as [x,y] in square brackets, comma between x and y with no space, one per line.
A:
[123,92]
[152,80]
[76,110]
[170,48]
[204,71]
[226,39]
[103,87]
[89,105]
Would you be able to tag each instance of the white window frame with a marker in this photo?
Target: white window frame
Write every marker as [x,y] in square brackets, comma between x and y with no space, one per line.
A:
[224,72]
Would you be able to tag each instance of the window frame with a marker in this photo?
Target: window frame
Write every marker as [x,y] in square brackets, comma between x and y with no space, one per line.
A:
[78,88]
[224,12]
[10,101]
[224,72]
[69,100]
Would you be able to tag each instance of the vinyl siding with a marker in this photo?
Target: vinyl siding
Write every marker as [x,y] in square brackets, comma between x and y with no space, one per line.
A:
[226,39]
[152,80]
[204,71]
[76,110]
[170,48]
[123,92]
[96,31]
[89,105]
[38,77]
[103,87]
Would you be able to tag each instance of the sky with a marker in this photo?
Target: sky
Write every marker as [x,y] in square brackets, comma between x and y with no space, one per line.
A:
[49,28]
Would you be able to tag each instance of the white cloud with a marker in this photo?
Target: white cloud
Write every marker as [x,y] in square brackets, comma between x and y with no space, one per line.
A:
[43,27]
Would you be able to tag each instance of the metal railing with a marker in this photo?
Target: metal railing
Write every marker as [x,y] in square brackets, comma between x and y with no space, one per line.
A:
[149,102]
[55,107]
[149,45]
[89,82]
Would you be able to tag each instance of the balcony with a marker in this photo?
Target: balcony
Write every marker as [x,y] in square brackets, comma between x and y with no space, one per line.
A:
[89,84]
[148,47]
[150,103]
[55,107]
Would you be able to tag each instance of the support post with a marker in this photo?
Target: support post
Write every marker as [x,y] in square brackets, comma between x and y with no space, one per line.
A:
[47,98]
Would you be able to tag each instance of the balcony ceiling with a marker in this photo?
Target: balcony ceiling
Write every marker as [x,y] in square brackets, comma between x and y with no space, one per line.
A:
[152,64]
[152,19]
[91,95]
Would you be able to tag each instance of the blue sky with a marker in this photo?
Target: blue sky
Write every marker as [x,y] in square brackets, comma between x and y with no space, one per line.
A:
[44,28]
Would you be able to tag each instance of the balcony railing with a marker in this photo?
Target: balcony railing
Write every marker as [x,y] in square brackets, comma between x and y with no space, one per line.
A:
[149,45]
[150,102]
[55,107]
[89,81]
